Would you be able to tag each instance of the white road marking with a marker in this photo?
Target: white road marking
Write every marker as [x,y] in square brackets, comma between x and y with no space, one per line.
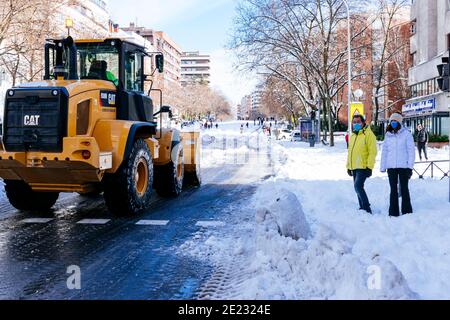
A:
[94,221]
[37,220]
[152,222]
[210,224]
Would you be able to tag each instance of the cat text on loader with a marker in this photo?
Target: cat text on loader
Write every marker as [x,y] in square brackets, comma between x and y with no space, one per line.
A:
[88,127]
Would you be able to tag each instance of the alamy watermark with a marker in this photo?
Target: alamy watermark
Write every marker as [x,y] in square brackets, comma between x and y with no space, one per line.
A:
[74,280]
[374,279]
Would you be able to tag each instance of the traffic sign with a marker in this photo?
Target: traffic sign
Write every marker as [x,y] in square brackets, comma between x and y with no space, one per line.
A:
[356,108]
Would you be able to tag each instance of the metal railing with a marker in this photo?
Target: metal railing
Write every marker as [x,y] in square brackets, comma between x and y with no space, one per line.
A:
[432,167]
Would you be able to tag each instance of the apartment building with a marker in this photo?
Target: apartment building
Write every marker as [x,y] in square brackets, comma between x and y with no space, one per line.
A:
[91,19]
[245,109]
[256,99]
[171,50]
[195,68]
[430,41]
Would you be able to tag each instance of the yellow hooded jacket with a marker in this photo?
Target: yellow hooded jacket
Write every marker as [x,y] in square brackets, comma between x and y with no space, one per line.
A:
[362,150]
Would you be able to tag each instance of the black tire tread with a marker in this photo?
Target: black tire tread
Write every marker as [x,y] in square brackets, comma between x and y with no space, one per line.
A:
[22,197]
[119,192]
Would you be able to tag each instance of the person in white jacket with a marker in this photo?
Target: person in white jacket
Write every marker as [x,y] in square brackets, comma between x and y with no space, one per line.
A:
[398,158]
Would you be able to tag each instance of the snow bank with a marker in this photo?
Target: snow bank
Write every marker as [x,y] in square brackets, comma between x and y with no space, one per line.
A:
[323,267]
[286,215]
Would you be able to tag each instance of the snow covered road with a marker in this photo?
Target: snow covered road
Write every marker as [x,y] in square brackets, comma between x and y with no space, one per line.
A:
[123,258]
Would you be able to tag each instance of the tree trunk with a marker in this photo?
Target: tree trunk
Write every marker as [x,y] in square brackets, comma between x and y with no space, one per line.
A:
[325,117]
[330,123]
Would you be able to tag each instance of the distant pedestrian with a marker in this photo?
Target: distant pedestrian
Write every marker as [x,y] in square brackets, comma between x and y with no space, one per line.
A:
[398,157]
[247,125]
[362,153]
[422,141]
[347,136]
[217,126]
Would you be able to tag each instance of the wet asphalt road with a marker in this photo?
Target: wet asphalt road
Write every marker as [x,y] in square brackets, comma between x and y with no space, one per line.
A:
[119,259]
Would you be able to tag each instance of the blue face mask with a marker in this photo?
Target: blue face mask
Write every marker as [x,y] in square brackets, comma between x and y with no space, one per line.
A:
[394,125]
[357,127]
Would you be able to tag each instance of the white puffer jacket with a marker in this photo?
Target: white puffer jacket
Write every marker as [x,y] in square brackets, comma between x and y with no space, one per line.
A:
[398,151]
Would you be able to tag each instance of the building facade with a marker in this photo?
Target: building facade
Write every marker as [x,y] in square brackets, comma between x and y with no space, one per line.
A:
[91,19]
[171,50]
[245,108]
[195,68]
[367,51]
[430,41]
[256,103]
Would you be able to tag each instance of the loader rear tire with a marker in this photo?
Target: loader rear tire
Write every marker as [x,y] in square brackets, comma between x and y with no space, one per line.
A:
[169,178]
[22,197]
[129,190]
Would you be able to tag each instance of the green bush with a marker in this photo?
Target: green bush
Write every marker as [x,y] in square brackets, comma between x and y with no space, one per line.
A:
[438,138]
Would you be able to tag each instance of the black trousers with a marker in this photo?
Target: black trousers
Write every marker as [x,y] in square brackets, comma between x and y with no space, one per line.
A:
[422,146]
[402,176]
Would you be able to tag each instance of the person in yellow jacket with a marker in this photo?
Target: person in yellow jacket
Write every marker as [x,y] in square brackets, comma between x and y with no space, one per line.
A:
[362,152]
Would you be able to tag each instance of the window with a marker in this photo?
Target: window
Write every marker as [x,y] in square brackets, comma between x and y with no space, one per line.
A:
[413,27]
[133,71]
[414,58]
[98,61]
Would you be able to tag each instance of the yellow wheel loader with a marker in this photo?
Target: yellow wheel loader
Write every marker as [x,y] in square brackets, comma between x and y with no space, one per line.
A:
[89,127]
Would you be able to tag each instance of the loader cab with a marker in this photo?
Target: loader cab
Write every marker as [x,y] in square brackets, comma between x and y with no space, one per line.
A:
[114,60]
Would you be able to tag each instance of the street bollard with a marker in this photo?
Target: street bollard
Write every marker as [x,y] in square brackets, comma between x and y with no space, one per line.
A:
[312,141]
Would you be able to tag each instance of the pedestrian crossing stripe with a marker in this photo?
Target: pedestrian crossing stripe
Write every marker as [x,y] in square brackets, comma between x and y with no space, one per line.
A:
[152,222]
[210,224]
[94,221]
[37,220]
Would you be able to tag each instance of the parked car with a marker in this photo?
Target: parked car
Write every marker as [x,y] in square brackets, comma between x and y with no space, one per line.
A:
[296,136]
[285,134]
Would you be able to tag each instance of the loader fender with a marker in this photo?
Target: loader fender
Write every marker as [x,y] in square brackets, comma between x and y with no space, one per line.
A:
[118,137]
[141,130]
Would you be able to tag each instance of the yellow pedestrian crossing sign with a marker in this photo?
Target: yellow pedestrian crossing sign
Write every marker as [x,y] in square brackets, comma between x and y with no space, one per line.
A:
[356,108]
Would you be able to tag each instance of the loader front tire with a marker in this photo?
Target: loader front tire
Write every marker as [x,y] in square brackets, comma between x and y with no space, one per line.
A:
[169,178]
[129,190]
[22,197]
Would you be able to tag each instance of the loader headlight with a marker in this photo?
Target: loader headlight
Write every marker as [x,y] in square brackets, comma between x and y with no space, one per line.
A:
[55,93]
[11,93]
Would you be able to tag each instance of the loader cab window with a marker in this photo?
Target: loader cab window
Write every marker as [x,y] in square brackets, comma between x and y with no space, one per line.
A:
[98,61]
[133,71]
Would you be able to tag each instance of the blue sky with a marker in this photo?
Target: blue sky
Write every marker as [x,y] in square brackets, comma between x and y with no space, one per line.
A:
[203,25]
[194,24]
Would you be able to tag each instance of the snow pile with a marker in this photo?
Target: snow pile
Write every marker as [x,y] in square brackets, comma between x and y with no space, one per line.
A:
[285,215]
[323,267]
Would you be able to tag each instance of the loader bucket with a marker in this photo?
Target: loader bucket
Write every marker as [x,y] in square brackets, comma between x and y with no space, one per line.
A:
[192,155]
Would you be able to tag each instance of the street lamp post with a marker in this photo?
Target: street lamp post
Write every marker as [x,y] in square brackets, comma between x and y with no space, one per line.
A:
[349,49]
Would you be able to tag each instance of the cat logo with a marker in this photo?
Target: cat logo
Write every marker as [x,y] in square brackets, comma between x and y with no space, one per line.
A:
[31,121]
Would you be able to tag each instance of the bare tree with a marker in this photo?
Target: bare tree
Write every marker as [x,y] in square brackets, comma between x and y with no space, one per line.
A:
[390,48]
[298,42]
